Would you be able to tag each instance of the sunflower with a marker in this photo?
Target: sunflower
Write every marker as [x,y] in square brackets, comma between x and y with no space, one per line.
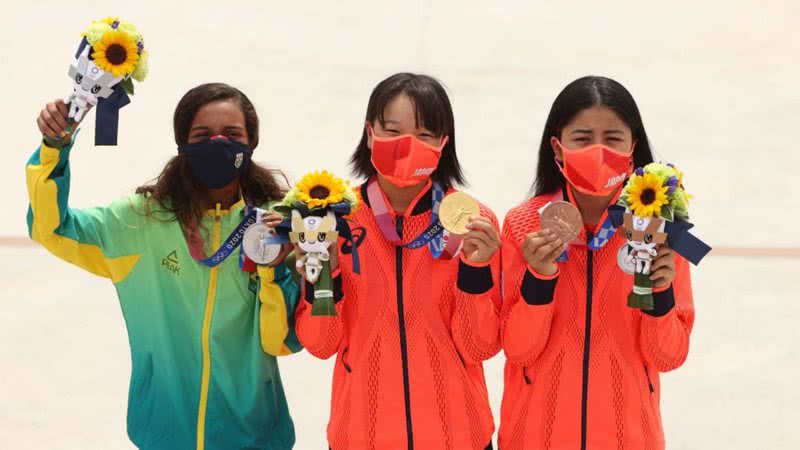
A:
[117,53]
[646,195]
[320,189]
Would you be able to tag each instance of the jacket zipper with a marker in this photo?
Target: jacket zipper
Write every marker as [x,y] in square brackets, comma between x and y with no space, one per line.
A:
[649,383]
[587,340]
[206,338]
[398,252]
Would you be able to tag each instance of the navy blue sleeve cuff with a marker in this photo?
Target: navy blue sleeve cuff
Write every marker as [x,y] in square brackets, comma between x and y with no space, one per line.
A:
[474,280]
[536,291]
[663,302]
[338,292]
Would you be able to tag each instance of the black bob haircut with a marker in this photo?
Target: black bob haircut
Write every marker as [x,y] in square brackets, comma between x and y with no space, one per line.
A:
[433,112]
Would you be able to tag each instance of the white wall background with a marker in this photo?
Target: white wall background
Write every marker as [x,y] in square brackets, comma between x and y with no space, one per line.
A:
[716,82]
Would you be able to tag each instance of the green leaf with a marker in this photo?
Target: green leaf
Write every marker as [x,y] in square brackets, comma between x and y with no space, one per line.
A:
[667,213]
[127,85]
[284,210]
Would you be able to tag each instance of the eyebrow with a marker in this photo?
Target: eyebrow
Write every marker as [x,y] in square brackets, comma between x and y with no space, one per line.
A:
[614,132]
[228,127]
[581,132]
[391,121]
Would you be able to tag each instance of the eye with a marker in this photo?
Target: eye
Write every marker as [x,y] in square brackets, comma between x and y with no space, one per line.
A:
[391,131]
[302,237]
[95,89]
[629,235]
[648,238]
[321,237]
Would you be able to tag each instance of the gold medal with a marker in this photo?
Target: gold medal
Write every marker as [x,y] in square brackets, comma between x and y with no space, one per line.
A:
[456,210]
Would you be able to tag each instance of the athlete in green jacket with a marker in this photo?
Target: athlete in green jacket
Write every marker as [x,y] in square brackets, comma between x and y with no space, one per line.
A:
[203,340]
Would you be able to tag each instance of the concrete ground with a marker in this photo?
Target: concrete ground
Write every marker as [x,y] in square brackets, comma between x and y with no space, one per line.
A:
[716,82]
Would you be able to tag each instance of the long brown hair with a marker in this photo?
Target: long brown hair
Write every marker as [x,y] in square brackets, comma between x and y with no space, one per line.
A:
[178,192]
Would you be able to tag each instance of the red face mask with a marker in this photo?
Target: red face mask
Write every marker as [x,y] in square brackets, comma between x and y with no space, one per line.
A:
[404,160]
[595,170]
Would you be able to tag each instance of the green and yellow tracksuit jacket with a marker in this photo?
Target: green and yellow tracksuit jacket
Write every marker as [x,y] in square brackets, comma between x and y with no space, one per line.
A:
[203,341]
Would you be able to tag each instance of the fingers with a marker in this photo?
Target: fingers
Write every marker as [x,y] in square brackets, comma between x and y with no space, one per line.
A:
[662,263]
[485,226]
[552,256]
[481,238]
[271,219]
[62,107]
[535,240]
[45,129]
[272,222]
[664,259]
[52,124]
[57,116]
[550,248]
[477,241]
[662,277]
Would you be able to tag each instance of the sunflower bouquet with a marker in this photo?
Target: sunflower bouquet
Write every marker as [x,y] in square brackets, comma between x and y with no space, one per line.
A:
[110,56]
[316,208]
[653,199]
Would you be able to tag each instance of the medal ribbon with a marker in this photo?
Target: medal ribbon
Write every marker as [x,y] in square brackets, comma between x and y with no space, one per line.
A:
[601,236]
[231,243]
[441,244]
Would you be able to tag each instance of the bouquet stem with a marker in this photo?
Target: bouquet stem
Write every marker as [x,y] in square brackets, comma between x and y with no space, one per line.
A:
[641,297]
[323,293]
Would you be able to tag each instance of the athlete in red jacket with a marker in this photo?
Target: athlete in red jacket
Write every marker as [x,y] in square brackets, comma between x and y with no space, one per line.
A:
[583,368]
[413,326]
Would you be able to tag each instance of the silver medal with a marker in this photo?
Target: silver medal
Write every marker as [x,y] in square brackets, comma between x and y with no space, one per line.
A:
[254,245]
[622,255]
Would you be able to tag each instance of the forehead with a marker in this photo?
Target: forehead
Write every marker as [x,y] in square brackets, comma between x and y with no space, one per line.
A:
[597,118]
[400,109]
[225,112]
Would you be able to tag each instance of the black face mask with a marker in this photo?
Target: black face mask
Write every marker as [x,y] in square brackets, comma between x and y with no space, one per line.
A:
[217,161]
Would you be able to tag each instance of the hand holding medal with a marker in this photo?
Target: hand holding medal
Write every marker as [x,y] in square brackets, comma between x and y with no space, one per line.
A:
[560,224]
[260,243]
[460,215]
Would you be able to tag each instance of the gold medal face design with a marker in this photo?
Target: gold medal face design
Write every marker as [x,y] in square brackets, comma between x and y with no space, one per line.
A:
[456,210]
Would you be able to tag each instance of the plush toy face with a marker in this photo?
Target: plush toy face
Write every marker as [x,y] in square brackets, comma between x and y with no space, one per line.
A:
[313,234]
[89,83]
[644,233]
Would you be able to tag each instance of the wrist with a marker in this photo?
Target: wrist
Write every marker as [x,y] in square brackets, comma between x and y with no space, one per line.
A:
[546,270]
